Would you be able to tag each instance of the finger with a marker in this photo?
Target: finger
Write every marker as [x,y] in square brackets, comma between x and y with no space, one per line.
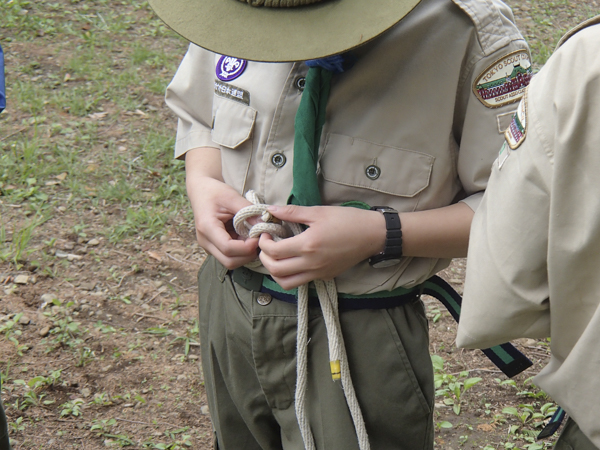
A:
[293,281]
[232,262]
[294,213]
[286,248]
[284,267]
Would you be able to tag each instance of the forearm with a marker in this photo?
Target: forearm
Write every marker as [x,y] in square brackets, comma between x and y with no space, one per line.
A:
[437,233]
[203,162]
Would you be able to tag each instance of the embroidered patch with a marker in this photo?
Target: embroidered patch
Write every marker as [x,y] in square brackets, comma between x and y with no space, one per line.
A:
[517,130]
[232,92]
[503,155]
[229,68]
[504,81]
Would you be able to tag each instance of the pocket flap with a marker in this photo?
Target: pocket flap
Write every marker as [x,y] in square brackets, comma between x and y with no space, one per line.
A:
[233,123]
[390,170]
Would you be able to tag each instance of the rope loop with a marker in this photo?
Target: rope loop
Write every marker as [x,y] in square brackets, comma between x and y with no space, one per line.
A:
[328,298]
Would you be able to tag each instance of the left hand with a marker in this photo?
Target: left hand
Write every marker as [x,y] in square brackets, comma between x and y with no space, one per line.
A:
[336,239]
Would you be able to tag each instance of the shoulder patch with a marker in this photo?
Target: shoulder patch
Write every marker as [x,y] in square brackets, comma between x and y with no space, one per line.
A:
[229,68]
[505,80]
[516,132]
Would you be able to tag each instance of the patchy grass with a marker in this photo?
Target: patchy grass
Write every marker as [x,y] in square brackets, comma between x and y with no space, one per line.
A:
[98,326]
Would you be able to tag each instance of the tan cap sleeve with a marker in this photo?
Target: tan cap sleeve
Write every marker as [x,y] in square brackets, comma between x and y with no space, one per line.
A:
[189,95]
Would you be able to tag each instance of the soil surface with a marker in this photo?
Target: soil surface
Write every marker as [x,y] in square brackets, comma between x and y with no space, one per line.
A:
[106,351]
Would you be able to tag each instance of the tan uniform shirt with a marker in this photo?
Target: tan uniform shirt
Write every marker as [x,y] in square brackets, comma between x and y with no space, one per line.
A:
[414,125]
[534,253]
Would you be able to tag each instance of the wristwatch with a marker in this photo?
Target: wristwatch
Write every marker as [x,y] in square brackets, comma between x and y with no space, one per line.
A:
[392,252]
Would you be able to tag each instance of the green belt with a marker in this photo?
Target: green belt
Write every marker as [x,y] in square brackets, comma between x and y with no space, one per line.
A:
[506,357]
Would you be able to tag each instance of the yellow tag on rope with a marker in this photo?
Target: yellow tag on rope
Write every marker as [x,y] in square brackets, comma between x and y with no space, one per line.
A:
[336,371]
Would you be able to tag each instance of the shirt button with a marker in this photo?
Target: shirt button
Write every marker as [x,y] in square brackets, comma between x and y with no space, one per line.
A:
[300,81]
[373,172]
[263,299]
[278,160]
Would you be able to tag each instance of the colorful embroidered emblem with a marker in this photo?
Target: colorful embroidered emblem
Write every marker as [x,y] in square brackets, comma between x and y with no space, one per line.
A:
[232,92]
[517,130]
[504,81]
[229,68]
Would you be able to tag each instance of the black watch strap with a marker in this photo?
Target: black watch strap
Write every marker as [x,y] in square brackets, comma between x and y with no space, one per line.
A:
[392,251]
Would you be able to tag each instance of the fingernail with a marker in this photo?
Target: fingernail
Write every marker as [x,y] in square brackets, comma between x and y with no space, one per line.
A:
[273,208]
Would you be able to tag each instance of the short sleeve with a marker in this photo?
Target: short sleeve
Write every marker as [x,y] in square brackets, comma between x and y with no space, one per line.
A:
[189,95]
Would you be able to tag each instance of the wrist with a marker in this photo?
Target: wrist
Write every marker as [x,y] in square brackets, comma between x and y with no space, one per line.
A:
[391,252]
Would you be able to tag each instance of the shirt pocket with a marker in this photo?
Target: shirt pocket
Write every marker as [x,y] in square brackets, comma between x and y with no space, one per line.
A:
[355,169]
[233,123]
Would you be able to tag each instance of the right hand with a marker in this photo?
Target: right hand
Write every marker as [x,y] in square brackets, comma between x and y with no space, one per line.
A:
[214,204]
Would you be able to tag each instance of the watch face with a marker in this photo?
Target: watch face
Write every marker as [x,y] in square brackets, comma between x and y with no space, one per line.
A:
[386,263]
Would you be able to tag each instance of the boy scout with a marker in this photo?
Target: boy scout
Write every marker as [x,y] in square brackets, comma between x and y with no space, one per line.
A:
[412,122]
[535,242]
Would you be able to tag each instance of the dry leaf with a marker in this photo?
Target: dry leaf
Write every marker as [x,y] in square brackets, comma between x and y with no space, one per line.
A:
[154,255]
[98,115]
[92,167]
[61,176]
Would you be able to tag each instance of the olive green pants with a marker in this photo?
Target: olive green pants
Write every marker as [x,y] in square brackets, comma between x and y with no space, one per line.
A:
[572,438]
[249,363]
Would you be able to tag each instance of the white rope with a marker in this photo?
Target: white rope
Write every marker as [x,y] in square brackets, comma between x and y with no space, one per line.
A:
[327,293]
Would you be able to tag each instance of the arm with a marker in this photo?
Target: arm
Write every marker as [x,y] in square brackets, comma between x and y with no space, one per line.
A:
[339,237]
[214,204]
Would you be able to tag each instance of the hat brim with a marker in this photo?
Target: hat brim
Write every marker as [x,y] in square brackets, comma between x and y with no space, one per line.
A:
[234,28]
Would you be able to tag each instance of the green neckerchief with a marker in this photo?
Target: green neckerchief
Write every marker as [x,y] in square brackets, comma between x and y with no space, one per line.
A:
[308,125]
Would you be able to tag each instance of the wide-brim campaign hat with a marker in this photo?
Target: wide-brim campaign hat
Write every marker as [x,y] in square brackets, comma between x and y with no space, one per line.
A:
[275,32]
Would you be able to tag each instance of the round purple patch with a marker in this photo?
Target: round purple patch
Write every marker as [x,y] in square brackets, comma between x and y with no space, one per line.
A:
[229,68]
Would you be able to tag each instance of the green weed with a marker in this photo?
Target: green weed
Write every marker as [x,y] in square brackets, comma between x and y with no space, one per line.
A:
[452,388]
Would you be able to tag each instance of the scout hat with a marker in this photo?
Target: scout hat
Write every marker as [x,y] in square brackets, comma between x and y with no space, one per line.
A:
[280,30]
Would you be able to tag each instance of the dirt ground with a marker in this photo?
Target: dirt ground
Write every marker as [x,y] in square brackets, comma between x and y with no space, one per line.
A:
[104,349]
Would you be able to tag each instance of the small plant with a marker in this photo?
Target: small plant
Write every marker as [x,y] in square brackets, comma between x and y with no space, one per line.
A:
[189,338]
[85,355]
[17,426]
[178,442]
[101,399]
[66,331]
[158,331]
[34,396]
[451,387]
[102,426]
[17,251]
[71,408]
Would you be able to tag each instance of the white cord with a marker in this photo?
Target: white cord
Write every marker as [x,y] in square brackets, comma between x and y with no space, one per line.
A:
[327,293]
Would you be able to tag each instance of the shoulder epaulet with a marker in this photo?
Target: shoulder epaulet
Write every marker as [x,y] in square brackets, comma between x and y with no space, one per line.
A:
[593,21]
[492,31]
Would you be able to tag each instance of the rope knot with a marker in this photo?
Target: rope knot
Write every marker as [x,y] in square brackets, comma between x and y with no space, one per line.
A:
[270,224]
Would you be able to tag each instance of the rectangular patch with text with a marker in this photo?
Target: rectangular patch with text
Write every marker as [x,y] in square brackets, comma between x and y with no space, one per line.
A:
[232,92]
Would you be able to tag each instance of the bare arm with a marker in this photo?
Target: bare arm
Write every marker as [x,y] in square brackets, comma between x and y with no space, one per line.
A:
[437,233]
[339,237]
[214,204]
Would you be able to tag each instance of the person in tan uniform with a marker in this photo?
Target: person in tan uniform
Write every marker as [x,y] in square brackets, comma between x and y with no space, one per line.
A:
[417,104]
[535,239]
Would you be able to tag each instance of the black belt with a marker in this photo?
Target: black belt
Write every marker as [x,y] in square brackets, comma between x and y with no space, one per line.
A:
[258,282]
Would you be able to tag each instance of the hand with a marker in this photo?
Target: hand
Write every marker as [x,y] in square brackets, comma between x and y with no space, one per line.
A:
[214,204]
[337,238]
